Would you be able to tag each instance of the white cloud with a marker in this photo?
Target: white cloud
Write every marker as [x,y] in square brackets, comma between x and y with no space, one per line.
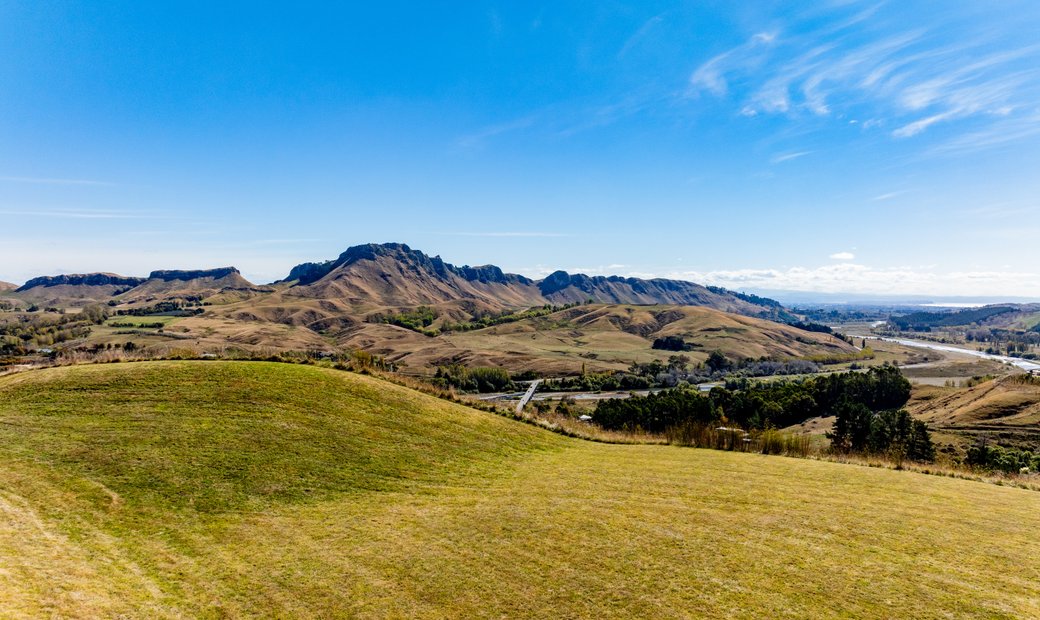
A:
[888,196]
[856,278]
[843,277]
[778,159]
[914,79]
[843,256]
[916,127]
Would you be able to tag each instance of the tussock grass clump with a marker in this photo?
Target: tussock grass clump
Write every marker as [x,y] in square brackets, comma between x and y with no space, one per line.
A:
[769,441]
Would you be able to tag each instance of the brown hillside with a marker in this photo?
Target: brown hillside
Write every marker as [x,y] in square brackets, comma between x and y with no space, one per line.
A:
[376,276]
[201,283]
[564,288]
[393,275]
[598,337]
[1007,408]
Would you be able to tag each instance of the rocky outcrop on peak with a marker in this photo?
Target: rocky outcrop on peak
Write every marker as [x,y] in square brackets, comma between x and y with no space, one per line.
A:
[169,275]
[81,279]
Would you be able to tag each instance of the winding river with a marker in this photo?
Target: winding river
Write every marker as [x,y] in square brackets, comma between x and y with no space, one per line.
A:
[1027,365]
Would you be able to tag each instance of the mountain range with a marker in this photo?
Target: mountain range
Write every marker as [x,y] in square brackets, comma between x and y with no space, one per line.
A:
[393,275]
[421,312]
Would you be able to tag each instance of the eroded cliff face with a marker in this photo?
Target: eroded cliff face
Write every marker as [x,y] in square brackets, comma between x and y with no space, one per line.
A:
[82,279]
[169,275]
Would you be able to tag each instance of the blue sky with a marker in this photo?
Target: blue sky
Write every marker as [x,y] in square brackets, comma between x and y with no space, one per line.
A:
[870,147]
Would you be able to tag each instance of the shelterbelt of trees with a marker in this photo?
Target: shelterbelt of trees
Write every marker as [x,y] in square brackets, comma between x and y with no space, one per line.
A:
[867,407]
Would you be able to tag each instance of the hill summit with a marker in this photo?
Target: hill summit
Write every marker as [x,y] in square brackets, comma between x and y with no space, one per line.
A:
[395,275]
[79,289]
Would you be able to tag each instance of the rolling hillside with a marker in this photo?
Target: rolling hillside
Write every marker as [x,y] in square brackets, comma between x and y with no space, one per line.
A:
[221,489]
[179,283]
[1006,409]
[598,337]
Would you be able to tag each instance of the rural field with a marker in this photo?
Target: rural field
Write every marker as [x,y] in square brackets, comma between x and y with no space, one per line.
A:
[236,489]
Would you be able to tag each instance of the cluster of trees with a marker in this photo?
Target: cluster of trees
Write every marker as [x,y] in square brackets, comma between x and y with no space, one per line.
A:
[866,405]
[656,413]
[1005,341]
[996,458]
[128,346]
[672,343]
[678,370]
[483,380]
[925,321]
[422,318]
[891,431]
[597,382]
[163,308]
[480,321]
[418,320]
[841,315]
[812,327]
[20,335]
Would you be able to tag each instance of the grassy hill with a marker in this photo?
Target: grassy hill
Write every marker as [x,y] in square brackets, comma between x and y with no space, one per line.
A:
[612,337]
[364,298]
[600,337]
[222,489]
[1006,409]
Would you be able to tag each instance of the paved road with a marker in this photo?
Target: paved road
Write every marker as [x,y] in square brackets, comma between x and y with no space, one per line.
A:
[527,395]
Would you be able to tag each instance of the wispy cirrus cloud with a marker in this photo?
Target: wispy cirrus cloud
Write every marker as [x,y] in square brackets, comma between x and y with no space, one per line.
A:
[639,35]
[479,137]
[889,195]
[909,80]
[781,158]
[843,256]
